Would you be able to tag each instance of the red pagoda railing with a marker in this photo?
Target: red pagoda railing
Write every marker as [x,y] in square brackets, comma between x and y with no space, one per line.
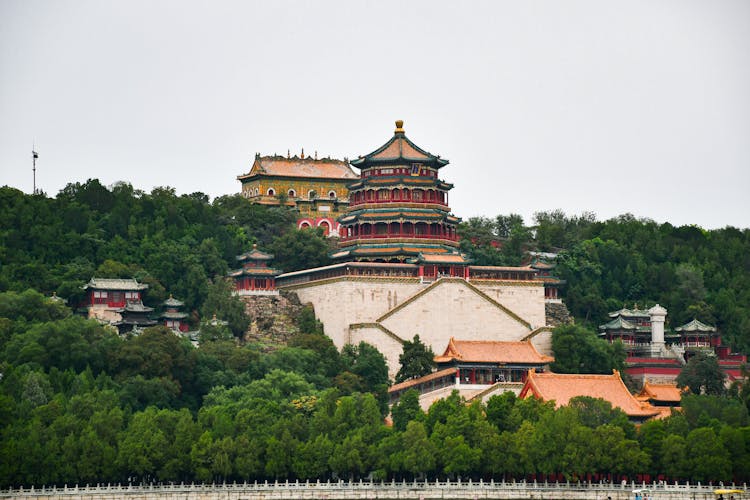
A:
[360,237]
[421,203]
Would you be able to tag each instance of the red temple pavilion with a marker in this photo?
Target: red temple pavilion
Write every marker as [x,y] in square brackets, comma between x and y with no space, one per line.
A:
[172,316]
[476,368]
[398,211]
[255,277]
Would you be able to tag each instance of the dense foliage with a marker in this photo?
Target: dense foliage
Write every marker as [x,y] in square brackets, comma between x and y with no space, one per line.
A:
[80,404]
[694,273]
[578,350]
[175,244]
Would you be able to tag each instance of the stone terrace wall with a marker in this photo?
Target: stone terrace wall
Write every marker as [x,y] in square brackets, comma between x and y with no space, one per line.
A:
[271,318]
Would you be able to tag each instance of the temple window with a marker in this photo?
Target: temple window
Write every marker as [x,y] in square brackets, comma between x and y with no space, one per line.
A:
[311,195]
[332,195]
[292,193]
[271,192]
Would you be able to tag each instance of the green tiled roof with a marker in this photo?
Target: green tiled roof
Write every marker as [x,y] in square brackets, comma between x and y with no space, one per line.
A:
[695,326]
[629,313]
[618,324]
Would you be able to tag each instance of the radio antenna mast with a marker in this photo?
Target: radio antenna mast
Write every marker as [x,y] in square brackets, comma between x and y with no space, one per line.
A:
[34,156]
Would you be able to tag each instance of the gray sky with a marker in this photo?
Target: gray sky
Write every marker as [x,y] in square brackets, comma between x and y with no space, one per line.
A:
[610,107]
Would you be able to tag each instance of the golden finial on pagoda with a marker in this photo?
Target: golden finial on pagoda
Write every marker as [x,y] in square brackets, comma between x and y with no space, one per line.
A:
[399,126]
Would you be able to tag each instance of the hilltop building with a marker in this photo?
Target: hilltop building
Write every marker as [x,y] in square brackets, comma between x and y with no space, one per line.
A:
[117,302]
[656,354]
[255,277]
[316,187]
[172,317]
[399,271]
[399,211]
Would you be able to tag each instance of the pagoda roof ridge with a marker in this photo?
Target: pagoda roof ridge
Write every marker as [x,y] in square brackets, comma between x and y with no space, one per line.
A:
[255,254]
[137,306]
[172,302]
[695,326]
[618,323]
[399,149]
[630,313]
[115,284]
[661,392]
[254,271]
[492,351]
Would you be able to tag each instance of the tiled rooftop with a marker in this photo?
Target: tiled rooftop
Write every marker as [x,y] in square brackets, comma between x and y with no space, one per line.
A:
[114,284]
[488,351]
[563,387]
[325,168]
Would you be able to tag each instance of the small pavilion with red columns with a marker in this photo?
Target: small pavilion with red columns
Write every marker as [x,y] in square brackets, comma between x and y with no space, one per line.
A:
[255,277]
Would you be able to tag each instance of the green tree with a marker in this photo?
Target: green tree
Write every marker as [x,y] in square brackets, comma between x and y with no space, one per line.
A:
[226,306]
[702,375]
[419,452]
[406,410]
[707,460]
[499,407]
[301,249]
[416,360]
[579,350]
[311,459]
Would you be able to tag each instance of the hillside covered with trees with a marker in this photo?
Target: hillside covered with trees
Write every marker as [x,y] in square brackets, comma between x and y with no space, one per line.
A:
[80,404]
[693,272]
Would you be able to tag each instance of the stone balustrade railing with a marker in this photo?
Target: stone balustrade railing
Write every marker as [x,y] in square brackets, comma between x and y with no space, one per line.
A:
[346,490]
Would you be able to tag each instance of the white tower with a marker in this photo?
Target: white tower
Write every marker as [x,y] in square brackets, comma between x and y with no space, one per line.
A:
[658,314]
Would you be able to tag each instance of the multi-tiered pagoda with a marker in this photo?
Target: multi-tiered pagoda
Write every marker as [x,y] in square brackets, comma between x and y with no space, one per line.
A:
[255,277]
[398,211]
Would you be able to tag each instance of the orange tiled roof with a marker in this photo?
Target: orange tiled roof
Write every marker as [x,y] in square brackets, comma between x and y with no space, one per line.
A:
[325,168]
[416,381]
[563,387]
[448,259]
[488,351]
[665,411]
[661,392]
[400,148]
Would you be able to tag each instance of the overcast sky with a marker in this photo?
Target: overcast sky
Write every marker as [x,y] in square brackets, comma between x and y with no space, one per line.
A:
[610,107]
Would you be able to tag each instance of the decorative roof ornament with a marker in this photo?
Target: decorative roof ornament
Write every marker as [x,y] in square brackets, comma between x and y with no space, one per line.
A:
[657,310]
[399,150]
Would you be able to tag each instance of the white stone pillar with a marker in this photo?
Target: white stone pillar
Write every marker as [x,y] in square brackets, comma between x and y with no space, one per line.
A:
[658,314]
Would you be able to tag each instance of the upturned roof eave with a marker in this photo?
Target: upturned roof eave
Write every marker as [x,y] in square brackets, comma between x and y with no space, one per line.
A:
[362,161]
